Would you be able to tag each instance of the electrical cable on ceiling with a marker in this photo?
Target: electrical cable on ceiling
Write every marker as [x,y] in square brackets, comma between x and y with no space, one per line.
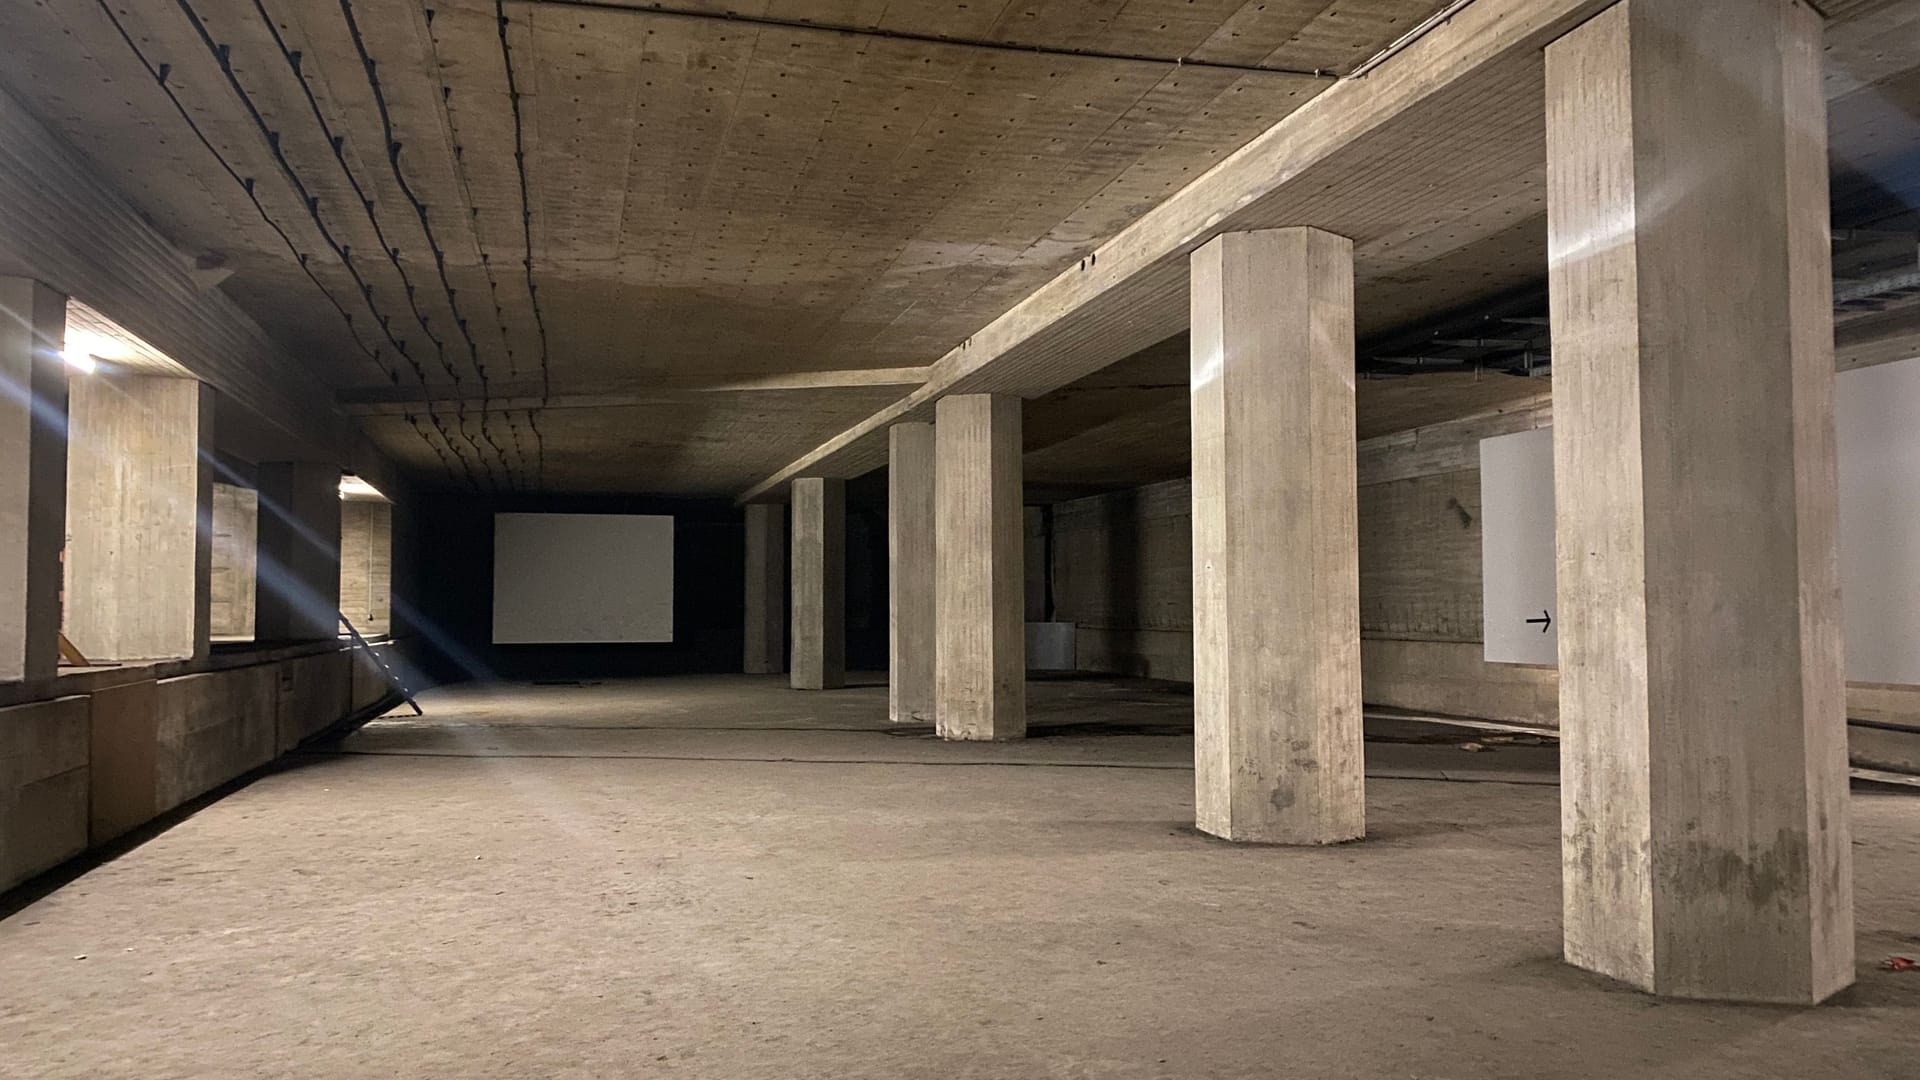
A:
[526,226]
[539,444]
[393,148]
[486,262]
[1406,40]
[159,73]
[222,55]
[657,10]
[338,144]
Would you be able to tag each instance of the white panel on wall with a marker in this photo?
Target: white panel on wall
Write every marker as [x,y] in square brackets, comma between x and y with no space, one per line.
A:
[1878,411]
[1877,419]
[1516,548]
[582,578]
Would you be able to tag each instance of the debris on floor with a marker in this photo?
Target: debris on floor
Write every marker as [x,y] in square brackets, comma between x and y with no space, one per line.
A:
[1900,963]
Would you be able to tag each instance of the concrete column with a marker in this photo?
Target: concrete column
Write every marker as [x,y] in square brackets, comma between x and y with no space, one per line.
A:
[766,626]
[980,672]
[819,584]
[33,477]
[366,565]
[1705,842]
[298,598]
[139,563]
[1276,568]
[205,410]
[910,637]
[236,513]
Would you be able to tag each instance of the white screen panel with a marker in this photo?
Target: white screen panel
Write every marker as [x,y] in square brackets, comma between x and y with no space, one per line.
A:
[1516,548]
[1877,420]
[582,578]
[1878,411]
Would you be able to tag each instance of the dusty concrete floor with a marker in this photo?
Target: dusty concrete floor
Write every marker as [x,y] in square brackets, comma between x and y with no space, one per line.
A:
[722,878]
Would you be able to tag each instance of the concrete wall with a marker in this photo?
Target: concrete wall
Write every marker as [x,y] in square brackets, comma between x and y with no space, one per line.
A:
[449,557]
[125,745]
[1123,573]
[313,691]
[210,728]
[373,668]
[1122,570]
[43,786]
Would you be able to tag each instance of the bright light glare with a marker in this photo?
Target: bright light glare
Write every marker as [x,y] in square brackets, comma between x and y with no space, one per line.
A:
[84,349]
[352,487]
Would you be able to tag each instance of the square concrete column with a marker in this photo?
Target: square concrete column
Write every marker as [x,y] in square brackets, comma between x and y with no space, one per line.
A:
[910,625]
[298,597]
[139,567]
[236,514]
[33,477]
[1705,841]
[205,411]
[366,565]
[980,666]
[1276,564]
[819,584]
[766,611]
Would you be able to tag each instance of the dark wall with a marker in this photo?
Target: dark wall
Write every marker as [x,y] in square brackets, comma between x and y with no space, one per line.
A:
[867,614]
[451,606]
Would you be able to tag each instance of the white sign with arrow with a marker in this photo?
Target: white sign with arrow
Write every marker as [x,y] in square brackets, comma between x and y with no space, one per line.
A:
[1516,548]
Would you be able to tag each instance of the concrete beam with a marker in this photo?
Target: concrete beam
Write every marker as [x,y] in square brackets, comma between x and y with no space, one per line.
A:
[1704,797]
[1880,338]
[766,590]
[1131,292]
[819,584]
[33,477]
[1276,546]
[522,394]
[980,672]
[910,573]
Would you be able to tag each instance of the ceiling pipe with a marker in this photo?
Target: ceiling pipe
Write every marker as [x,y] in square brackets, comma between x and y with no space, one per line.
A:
[1401,43]
[1848,292]
[842,30]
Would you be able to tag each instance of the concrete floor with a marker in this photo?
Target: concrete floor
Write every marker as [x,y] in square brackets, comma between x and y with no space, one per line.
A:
[723,878]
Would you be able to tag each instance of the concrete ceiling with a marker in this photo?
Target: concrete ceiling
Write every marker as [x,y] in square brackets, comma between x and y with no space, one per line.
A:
[640,217]
[580,193]
[1128,423]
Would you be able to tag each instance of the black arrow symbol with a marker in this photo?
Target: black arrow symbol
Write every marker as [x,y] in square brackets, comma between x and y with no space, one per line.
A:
[1545,620]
